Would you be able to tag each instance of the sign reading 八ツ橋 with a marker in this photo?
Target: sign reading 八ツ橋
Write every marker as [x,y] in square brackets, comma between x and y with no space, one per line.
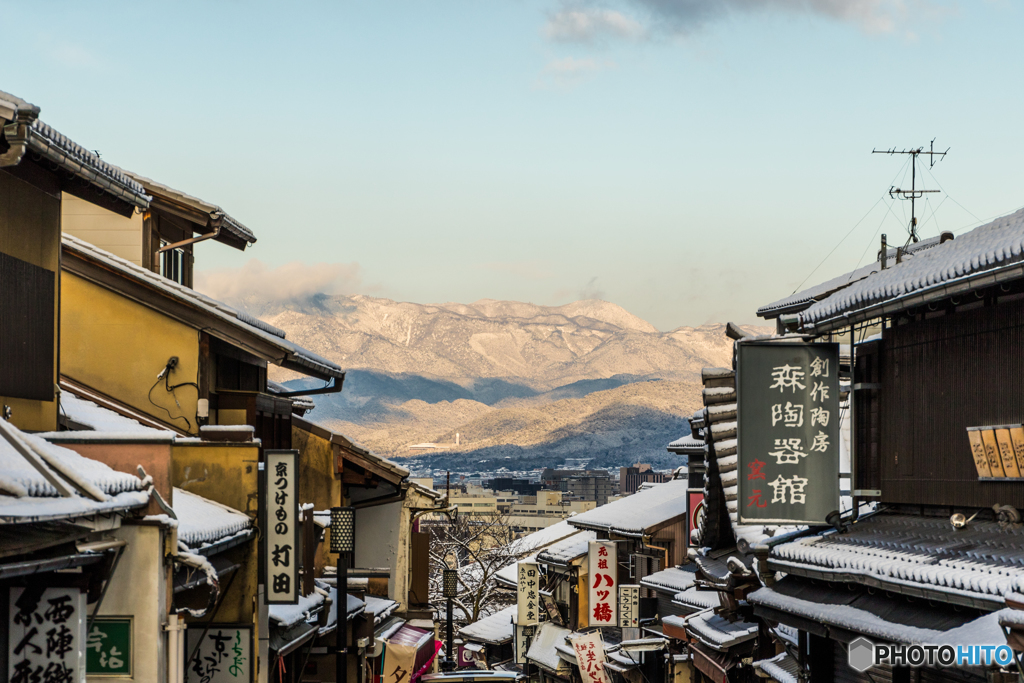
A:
[281,513]
[528,594]
[788,431]
[604,583]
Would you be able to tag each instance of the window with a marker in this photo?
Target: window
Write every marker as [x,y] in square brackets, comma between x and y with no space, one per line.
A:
[172,263]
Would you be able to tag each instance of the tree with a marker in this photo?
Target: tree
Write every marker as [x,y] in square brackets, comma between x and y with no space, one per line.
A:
[477,546]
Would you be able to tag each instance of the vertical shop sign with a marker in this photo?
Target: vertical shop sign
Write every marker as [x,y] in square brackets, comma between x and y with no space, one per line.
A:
[788,432]
[281,505]
[589,649]
[603,583]
[629,606]
[46,635]
[528,594]
[223,656]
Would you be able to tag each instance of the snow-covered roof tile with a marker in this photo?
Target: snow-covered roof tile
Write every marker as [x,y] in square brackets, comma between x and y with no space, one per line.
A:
[203,522]
[781,668]
[543,647]
[380,608]
[687,443]
[568,549]
[673,579]
[508,575]
[100,419]
[990,246]
[542,538]
[713,630]
[696,600]
[287,616]
[493,630]
[639,513]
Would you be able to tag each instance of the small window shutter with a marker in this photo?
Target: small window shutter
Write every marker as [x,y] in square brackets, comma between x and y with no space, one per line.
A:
[26,330]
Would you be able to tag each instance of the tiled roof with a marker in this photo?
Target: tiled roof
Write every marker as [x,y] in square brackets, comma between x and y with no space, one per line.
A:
[952,267]
[295,356]
[568,549]
[913,555]
[713,630]
[639,513]
[493,630]
[687,443]
[781,668]
[673,579]
[543,647]
[202,521]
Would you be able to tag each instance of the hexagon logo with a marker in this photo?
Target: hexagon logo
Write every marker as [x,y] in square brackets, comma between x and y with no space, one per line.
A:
[861,654]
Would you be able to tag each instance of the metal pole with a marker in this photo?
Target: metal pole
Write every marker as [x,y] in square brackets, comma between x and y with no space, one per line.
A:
[451,664]
[341,657]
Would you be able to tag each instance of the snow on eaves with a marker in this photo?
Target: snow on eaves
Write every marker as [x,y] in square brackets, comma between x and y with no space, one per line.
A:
[637,514]
[101,419]
[672,580]
[287,616]
[493,630]
[203,522]
[568,549]
[781,668]
[542,538]
[995,244]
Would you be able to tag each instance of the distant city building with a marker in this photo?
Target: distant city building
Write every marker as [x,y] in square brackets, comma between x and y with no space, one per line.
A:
[544,509]
[630,478]
[523,487]
[595,485]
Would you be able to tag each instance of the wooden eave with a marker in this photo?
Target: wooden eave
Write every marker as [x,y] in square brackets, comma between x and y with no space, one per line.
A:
[350,454]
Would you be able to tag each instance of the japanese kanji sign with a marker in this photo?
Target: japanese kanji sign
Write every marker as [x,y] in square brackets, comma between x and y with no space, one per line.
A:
[399,662]
[281,507]
[629,605]
[224,655]
[108,647]
[602,583]
[589,649]
[528,594]
[46,635]
[524,636]
[788,431]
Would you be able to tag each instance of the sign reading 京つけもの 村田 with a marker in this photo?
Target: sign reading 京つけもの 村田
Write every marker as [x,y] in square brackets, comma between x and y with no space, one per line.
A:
[603,583]
[108,647]
[788,431]
[629,605]
[223,655]
[46,635]
[589,649]
[281,508]
[528,594]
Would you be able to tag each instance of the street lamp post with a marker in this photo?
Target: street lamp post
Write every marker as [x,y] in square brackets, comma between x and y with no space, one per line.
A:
[343,542]
[450,591]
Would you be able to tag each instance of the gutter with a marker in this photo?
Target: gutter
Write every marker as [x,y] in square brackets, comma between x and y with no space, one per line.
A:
[28,567]
[192,240]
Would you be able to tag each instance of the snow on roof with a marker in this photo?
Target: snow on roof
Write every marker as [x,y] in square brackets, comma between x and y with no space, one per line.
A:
[982,562]
[380,608]
[713,630]
[296,357]
[568,549]
[806,297]
[696,600]
[353,607]
[287,616]
[639,513]
[673,579]
[542,538]
[508,575]
[493,630]
[542,648]
[688,443]
[980,631]
[25,495]
[995,244]
[202,521]
[781,668]
[101,419]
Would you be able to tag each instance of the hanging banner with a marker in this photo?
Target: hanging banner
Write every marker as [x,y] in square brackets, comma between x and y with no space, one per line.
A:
[603,583]
[46,635]
[629,605]
[696,511]
[524,636]
[224,654]
[528,594]
[281,506]
[108,647]
[787,432]
[589,649]
[399,662]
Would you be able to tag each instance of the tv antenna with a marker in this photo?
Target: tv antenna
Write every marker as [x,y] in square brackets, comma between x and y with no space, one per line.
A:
[913,194]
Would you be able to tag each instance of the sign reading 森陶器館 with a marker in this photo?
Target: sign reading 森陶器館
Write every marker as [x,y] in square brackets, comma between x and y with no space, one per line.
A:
[223,655]
[528,594]
[788,431]
[46,635]
[589,649]
[108,647]
[281,506]
[603,583]
[629,605]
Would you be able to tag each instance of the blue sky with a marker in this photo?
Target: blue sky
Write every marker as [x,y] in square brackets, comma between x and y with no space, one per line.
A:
[686,159]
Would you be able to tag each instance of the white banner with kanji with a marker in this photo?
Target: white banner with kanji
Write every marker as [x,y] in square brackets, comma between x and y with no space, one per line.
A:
[589,649]
[603,583]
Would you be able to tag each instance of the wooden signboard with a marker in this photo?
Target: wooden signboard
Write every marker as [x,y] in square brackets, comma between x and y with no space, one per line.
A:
[1017,438]
[978,452]
[1006,452]
[995,464]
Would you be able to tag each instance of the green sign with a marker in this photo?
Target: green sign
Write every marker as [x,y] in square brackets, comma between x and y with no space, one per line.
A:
[108,647]
[787,432]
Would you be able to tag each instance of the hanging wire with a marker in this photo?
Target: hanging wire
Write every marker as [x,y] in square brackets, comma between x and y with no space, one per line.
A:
[951,198]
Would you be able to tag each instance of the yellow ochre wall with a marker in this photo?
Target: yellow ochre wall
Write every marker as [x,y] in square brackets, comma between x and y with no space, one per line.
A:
[30,231]
[317,482]
[107,230]
[228,474]
[118,346]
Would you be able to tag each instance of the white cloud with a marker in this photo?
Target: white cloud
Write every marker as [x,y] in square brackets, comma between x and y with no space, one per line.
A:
[291,281]
[568,72]
[588,25]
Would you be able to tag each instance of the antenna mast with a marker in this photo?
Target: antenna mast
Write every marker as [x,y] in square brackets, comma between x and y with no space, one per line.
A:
[913,194]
